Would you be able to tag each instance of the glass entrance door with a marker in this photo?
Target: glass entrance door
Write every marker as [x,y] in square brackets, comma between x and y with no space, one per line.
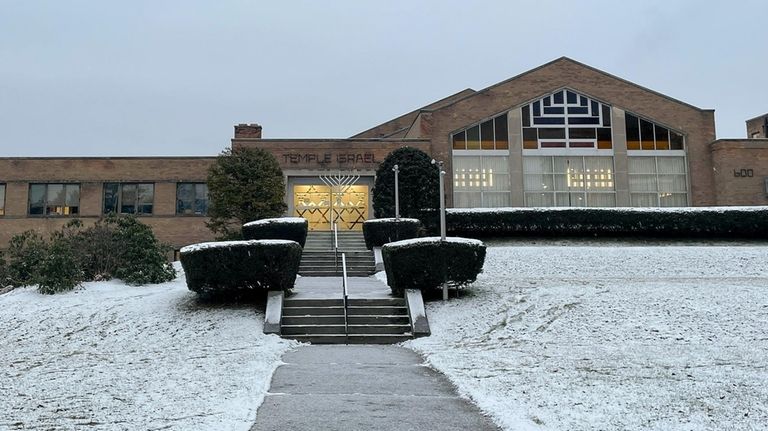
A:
[321,205]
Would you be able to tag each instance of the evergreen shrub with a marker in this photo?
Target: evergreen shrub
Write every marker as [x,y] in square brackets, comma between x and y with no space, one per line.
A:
[289,228]
[427,263]
[59,270]
[709,222]
[233,268]
[418,184]
[378,232]
[26,252]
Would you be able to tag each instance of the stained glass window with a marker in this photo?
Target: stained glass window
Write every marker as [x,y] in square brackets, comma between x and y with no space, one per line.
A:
[488,135]
[566,119]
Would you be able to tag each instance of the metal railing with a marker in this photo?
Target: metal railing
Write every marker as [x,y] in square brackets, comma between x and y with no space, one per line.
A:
[345,293]
[335,248]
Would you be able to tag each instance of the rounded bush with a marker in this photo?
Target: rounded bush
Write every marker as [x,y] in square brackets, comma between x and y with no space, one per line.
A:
[288,228]
[236,267]
[427,263]
[380,231]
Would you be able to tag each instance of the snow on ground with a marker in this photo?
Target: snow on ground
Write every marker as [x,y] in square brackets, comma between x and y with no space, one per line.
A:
[116,357]
[586,336]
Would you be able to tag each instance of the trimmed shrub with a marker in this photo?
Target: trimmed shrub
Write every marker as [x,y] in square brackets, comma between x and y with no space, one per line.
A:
[239,267]
[723,222]
[380,231]
[289,228]
[427,263]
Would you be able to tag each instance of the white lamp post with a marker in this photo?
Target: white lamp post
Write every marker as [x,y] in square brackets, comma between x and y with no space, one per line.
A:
[442,214]
[396,169]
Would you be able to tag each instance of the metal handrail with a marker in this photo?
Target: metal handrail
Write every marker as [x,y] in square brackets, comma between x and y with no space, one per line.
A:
[335,248]
[345,287]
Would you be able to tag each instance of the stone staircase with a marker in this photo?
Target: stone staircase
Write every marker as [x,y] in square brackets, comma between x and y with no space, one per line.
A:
[370,321]
[319,260]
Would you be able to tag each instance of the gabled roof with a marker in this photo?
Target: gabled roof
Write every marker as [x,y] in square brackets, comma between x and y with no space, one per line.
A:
[399,126]
[579,64]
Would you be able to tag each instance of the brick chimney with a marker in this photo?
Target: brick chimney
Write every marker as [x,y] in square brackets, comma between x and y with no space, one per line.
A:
[248,131]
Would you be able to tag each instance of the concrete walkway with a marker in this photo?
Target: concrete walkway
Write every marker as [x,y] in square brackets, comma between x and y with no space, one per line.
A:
[363,388]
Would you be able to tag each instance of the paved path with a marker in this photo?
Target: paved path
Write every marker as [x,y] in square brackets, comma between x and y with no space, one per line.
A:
[363,388]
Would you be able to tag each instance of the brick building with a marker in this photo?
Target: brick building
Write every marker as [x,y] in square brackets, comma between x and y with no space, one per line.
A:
[563,134]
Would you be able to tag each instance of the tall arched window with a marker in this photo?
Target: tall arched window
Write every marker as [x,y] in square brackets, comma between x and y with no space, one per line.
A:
[568,151]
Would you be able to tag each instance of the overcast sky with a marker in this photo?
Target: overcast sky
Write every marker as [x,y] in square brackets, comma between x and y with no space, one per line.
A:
[173,77]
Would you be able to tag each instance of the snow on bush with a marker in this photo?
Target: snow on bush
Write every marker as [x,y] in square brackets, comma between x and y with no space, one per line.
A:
[290,228]
[428,263]
[726,222]
[241,267]
[378,232]
[585,336]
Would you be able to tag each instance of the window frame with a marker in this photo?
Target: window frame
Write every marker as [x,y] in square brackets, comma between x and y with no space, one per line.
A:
[46,202]
[207,199]
[2,201]
[119,197]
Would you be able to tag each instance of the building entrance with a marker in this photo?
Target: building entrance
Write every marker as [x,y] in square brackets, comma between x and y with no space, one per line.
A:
[322,204]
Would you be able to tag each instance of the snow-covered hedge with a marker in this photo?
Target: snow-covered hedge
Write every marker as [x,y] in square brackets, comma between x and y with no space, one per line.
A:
[427,263]
[234,267]
[290,228]
[724,222]
[380,231]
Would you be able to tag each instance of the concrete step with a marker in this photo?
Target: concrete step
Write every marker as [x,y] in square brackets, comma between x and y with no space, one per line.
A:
[291,302]
[376,301]
[312,329]
[313,320]
[351,339]
[377,310]
[379,319]
[313,311]
[401,329]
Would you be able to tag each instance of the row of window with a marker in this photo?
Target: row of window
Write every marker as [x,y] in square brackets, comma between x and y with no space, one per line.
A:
[63,199]
[569,181]
[566,119]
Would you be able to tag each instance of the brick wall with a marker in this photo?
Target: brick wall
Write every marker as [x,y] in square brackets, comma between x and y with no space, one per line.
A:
[740,170]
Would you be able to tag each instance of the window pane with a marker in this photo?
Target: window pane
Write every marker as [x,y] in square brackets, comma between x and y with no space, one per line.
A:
[662,138]
[128,196]
[642,183]
[110,197]
[673,199]
[201,199]
[37,199]
[606,116]
[460,141]
[604,140]
[73,199]
[56,198]
[539,199]
[486,135]
[2,199]
[145,198]
[536,165]
[643,199]
[646,134]
[495,200]
[579,133]
[530,140]
[601,199]
[473,138]
[502,134]
[548,133]
[185,195]
[671,165]
[466,200]
[676,141]
[633,132]
[642,165]
[526,113]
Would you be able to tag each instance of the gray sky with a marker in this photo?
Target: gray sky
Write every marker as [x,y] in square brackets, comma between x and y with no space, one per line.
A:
[173,77]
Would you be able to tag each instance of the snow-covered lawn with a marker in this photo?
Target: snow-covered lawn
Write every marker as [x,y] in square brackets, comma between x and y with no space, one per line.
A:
[112,356]
[585,336]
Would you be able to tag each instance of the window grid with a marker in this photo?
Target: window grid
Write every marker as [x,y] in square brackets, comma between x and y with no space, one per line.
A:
[646,135]
[658,185]
[54,199]
[490,134]
[192,199]
[481,181]
[566,120]
[569,181]
[129,198]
